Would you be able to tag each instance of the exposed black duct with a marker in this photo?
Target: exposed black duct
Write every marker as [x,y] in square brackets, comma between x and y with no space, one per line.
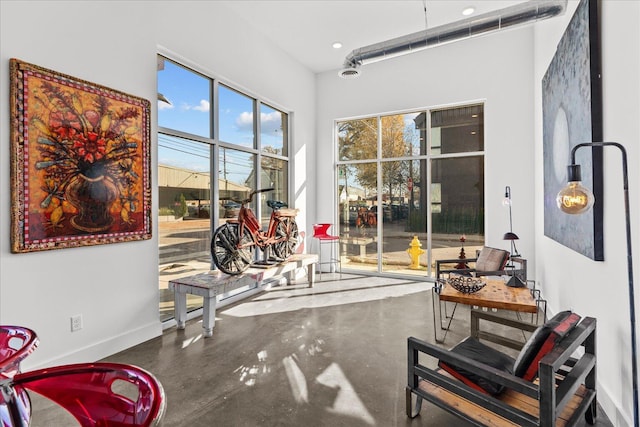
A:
[524,13]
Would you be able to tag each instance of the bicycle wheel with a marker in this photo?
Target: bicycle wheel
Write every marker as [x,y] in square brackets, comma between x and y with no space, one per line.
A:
[225,252]
[287,235]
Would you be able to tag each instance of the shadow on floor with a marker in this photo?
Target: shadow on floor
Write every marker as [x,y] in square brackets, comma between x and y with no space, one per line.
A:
[331,355]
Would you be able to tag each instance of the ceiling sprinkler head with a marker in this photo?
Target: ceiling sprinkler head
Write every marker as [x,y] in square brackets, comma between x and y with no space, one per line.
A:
[349,73]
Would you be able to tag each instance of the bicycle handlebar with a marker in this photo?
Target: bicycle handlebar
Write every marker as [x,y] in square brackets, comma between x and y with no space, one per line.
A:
[253,193]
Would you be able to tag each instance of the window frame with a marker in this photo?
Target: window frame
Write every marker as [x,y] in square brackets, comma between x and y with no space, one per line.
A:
[428,156]
[215,144]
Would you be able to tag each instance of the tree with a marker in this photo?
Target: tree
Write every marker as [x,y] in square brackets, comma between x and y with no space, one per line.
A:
[181,209]
[394,173]
[358,140]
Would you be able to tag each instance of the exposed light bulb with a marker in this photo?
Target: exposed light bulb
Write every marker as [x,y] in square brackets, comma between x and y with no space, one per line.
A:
[507,196]
[575,198]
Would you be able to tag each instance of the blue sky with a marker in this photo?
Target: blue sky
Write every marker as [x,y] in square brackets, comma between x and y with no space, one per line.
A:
[190,111]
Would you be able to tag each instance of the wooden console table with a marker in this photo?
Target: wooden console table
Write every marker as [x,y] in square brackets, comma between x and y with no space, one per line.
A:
[210,285]
[496,294]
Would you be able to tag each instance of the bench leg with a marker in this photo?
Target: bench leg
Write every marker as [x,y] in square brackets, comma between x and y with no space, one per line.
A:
[413,410]
[208,315]
[180,308]
[363,251]
[311,274]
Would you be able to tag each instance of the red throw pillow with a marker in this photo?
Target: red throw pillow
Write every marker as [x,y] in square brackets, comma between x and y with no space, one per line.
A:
[542,342]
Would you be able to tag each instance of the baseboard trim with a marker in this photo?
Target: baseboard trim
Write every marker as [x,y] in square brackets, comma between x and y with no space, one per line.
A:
[99,350]
[612,411]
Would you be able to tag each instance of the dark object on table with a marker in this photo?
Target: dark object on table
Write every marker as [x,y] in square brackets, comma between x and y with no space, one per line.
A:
[466,285]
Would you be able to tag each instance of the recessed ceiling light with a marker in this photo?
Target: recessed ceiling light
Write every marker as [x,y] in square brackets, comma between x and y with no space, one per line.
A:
[468,11]
[336,45]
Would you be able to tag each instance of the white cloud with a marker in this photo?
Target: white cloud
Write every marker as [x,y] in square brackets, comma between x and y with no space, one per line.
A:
[204,106]
[164,106]
[269,123]
[245,121]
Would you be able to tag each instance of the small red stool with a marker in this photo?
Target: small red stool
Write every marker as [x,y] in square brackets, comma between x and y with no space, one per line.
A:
[320,232]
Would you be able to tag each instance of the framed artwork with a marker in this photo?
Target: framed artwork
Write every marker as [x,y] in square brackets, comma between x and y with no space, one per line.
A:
[80,162]
[572,114]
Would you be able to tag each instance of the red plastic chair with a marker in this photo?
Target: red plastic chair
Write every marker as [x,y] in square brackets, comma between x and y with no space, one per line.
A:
[96,394]
[321,232]
[16,343]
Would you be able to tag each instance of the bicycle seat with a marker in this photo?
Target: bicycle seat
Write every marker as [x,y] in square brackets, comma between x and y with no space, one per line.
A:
[276,204]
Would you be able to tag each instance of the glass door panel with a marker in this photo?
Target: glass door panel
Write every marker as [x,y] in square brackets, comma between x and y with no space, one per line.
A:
[184,214]
[403,217]
[236,181]
[457,207]
[358,230]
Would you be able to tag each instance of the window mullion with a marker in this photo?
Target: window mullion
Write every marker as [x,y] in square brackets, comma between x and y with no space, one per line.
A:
[428,167]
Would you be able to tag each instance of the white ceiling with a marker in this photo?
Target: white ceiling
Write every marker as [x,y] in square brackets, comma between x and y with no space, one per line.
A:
[306,29]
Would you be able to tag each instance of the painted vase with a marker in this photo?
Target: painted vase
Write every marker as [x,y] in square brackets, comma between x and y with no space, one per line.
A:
[93,197]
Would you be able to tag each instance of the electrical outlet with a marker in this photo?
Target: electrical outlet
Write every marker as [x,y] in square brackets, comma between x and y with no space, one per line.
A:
[76,322]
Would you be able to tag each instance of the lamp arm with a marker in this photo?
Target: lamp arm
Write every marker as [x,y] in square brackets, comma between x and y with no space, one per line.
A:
[606,144]
[510,220]
[632,311]
[507,194]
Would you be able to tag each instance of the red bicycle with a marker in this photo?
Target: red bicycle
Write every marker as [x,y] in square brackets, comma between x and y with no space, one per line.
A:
[233,244]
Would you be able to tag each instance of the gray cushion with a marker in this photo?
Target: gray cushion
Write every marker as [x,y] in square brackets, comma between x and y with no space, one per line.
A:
[474,349]
[491,259]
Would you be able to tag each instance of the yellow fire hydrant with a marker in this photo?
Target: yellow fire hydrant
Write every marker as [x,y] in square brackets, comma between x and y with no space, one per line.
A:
[414,252]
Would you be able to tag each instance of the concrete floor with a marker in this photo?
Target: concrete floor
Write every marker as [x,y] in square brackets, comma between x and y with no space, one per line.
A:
[332,355]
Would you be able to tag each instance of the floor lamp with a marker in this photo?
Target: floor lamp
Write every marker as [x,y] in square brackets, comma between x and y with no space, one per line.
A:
[576,199]
[515,281]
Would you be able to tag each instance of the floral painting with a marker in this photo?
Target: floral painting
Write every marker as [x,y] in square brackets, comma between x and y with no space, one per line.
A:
[80,171]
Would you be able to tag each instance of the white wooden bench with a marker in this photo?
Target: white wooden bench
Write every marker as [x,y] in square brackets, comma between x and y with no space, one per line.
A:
[362,242]
[210,285]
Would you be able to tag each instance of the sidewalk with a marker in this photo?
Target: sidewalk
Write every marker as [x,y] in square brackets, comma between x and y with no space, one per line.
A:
[401,258]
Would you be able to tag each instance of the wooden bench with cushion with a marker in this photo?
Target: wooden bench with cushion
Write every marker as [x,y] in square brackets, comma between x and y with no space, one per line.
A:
[545,386]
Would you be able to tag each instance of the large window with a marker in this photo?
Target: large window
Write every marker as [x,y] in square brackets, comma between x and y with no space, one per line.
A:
[198,140]
[415,174]
[236,118]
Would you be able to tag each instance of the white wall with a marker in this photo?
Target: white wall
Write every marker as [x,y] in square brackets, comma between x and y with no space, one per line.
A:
[115,287]
[568,279]
[496,69]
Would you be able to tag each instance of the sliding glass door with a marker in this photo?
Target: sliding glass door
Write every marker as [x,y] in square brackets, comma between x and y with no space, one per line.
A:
[411,189]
